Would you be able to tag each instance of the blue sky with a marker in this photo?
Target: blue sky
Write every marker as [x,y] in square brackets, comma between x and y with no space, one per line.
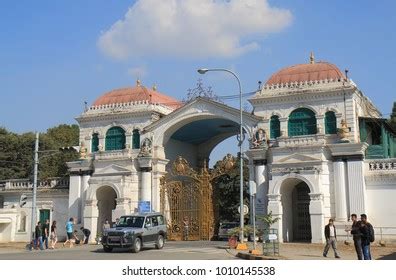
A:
[53,58]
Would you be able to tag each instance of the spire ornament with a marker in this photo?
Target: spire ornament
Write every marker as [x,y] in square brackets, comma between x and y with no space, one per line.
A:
[312,58]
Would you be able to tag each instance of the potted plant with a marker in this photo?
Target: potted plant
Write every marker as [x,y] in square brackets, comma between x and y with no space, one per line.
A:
[268,220]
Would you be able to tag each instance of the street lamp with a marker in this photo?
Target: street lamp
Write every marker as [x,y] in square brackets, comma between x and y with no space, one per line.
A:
[240,142]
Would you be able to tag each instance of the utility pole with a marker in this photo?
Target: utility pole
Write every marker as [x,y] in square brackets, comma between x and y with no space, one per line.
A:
[36,162]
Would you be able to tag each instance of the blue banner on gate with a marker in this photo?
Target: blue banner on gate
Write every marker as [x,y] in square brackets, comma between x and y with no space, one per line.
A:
[144,206]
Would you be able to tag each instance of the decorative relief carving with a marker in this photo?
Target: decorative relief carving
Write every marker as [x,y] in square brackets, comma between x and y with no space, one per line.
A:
[145,148]
[259,140]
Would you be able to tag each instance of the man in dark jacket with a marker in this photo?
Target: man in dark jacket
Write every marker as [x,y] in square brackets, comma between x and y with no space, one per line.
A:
[86,233]
[331,239]
[38,236]
[357,236]
[367,231]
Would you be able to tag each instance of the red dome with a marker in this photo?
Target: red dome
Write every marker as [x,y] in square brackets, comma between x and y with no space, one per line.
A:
[306,72]
[136,94]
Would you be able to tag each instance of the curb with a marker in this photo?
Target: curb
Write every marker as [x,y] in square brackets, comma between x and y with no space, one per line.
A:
[248,256]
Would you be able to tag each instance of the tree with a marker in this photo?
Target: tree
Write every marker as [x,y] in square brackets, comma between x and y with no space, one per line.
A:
[226,191]
[17,152]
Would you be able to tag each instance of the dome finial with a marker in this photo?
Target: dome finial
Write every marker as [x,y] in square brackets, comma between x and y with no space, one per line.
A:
[155,87]
[138,82]
[312,58]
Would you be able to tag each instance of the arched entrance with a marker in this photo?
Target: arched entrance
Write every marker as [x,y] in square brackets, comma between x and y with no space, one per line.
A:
[106,197]
[296,220]
[301,217]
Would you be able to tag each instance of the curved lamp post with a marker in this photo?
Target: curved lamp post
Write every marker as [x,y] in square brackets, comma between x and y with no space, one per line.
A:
[240,141]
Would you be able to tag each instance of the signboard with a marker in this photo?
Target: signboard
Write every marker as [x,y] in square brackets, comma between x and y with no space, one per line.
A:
[272,237]
[245,209]
[252,188]
[144,206]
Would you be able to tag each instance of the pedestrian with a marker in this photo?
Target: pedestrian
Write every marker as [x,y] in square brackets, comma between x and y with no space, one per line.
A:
[38,236]
[45,230]
[185,228]
[69,232]
[53,235]
[105,226]
[367,231]
[331,239]
[86,233]
[357,236]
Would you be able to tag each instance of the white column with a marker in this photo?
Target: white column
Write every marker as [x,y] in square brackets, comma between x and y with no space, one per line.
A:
[84,186]
[340,191]
[275,207]
[321,127]
[356,187]
[262,188]
[317,217]
[146,180]
[91,214]
[283,127]
[75,196]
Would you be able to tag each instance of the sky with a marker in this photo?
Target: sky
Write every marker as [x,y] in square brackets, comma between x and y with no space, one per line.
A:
[55,55]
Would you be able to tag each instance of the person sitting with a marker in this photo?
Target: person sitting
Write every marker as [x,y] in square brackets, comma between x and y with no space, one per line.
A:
[86,233]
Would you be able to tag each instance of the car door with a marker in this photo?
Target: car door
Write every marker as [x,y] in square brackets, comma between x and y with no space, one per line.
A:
[148,230]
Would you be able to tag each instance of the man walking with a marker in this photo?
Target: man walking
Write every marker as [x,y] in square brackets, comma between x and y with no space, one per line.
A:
[331,239]
[86,233]
[357,236]
[46,233]
[69,232]
[367,231]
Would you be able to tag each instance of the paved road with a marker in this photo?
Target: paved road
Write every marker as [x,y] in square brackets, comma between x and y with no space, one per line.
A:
[198,250]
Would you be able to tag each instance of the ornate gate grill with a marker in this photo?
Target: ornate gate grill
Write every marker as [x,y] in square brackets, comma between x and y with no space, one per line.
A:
[187,199]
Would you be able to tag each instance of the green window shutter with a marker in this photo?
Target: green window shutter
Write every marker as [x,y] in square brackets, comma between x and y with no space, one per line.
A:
[302,121]
[363,130]
[115,139]
[330,123]
[44,215]
[274,127]
[136,139]
[95,143]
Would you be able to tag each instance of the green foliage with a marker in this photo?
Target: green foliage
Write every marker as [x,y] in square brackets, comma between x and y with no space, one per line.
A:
[17,152]
[227,192]
[268,220]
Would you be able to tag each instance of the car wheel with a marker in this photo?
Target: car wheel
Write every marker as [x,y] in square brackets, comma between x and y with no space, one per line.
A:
[160,242]
[137,245]
[107,249]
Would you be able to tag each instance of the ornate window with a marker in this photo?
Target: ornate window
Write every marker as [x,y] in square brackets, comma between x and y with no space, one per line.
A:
[136,139]
[95,142]
[302,121]
[274,127]
[330,123]
[115,139]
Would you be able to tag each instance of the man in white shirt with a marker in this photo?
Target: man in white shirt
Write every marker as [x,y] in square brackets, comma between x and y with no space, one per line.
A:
[331,239]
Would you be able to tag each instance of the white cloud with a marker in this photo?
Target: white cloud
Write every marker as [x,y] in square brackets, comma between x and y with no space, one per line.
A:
[137,72]
[192,28]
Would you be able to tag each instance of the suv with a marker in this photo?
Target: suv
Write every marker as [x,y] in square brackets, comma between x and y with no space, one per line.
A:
[136,231]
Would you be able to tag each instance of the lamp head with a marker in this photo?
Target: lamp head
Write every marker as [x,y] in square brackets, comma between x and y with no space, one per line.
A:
[202,71]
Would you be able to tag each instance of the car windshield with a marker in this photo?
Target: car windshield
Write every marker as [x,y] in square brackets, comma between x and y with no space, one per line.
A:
[131,222]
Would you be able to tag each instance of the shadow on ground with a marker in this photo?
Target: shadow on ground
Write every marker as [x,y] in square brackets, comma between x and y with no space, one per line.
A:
[391,256]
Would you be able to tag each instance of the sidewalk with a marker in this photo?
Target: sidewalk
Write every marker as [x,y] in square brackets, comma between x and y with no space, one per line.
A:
[307,251]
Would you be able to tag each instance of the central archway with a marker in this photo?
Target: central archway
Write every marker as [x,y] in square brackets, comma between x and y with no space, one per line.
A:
[106,197]
[296,219]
